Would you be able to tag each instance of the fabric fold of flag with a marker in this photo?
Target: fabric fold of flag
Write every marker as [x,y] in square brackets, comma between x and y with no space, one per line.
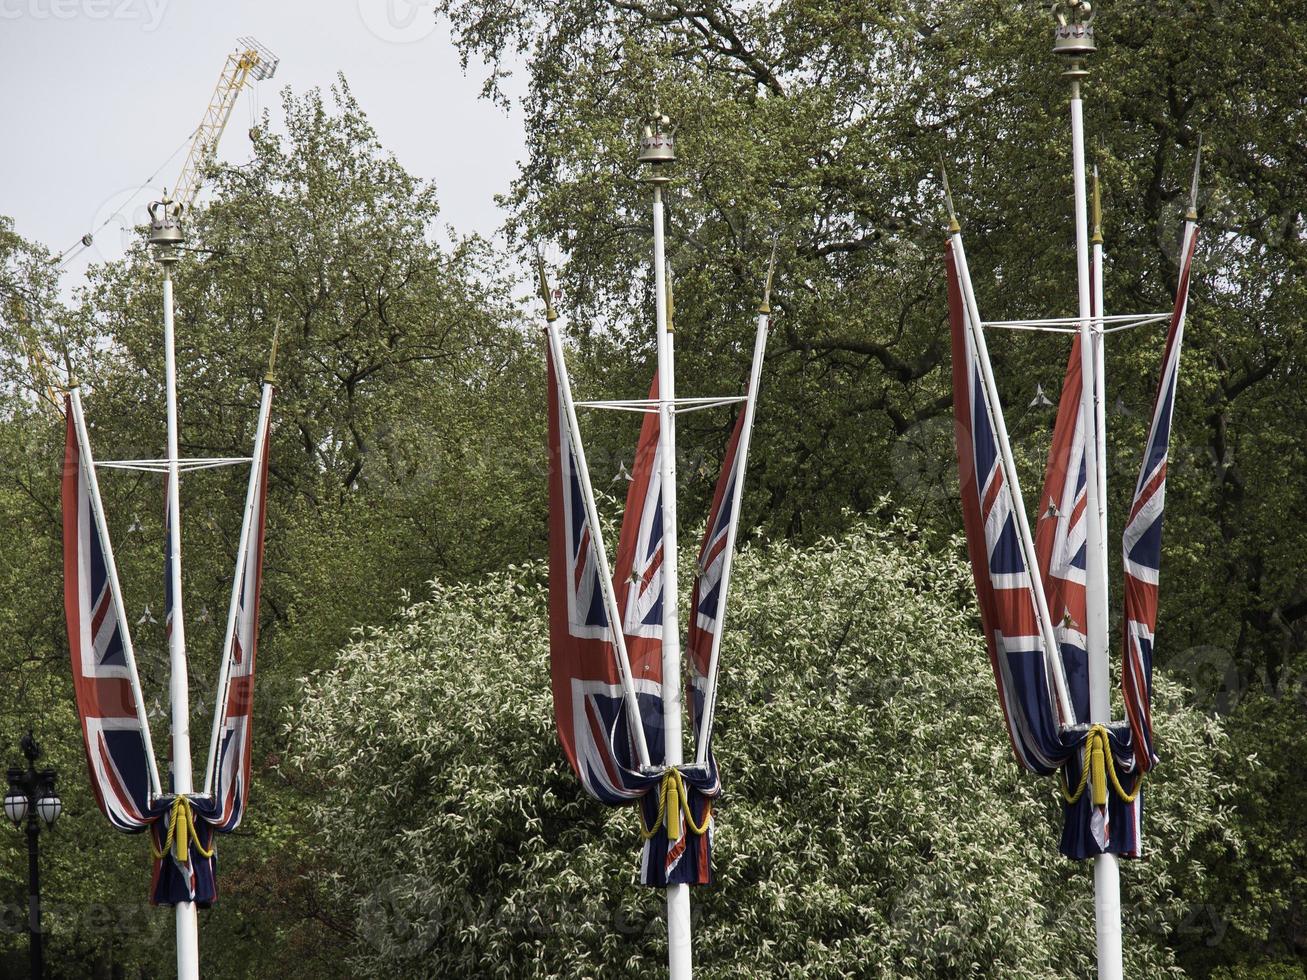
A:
[1142,538]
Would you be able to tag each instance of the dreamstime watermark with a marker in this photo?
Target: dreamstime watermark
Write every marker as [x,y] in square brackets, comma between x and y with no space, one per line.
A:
[398,21]
[148,12]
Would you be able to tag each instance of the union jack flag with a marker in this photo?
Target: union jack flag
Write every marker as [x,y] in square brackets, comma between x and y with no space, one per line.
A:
[638,570]
[1061,534]
[107,689]
[230,778]
[1009,613]
[711,577]
[589,706]
[1142,540]
[104,679]
[589,703]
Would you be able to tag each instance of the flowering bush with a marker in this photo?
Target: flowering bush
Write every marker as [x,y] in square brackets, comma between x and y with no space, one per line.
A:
[873,822]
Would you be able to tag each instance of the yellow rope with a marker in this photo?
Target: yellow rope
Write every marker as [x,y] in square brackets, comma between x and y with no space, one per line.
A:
[673,786]
[181,816]
[1096,769]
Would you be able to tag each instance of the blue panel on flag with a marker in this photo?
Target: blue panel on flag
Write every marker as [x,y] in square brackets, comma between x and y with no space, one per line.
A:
[1006,557]
[982,436]
[1147,551]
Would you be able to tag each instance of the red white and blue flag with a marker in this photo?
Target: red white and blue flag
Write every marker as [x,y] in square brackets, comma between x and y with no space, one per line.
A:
[104,678]
[1142,539]
[589,704]
[712,574]
[231,775]
[1061,534]
[638,579]
[1009,613]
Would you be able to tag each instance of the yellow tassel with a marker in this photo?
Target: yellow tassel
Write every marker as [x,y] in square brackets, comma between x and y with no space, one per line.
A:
[673,807]
[674,790]
[1096,769]
[1097,773]
[181,831]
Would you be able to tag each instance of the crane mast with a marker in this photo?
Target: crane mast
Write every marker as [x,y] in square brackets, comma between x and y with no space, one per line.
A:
[251,61]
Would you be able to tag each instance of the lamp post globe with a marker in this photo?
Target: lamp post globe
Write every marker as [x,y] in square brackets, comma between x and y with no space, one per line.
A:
[15,804]
[32,799]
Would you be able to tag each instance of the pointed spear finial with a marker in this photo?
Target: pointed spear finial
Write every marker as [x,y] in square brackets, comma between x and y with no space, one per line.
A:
[765,305]
[671,302]
[1098,211]
[550,313]
[1192,213]
[270,376]
[953,226]
[73,382]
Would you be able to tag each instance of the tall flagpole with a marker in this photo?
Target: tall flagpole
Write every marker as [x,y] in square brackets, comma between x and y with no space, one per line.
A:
[656,150]
[1074,41]
[166,236]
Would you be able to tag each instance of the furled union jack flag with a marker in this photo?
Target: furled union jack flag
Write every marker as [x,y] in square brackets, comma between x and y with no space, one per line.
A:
[589,705]
[1142,540]
[104,676]
[1009,612]
[228,773]
[1101,764]
[589,702]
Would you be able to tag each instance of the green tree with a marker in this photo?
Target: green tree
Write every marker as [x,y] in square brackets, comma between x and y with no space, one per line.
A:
[405,386]
[825,121]
[873,821]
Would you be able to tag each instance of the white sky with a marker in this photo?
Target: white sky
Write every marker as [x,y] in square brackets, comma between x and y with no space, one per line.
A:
[100,92]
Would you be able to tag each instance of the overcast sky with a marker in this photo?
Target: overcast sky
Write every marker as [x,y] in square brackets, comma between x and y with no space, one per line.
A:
[100,92]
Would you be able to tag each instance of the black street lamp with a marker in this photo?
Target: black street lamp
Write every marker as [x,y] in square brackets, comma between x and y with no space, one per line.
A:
[31,795]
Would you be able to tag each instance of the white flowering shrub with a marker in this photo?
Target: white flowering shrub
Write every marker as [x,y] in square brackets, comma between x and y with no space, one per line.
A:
[873,823]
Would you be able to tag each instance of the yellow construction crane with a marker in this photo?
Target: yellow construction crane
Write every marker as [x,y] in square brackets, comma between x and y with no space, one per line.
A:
[49,393]
[251,61]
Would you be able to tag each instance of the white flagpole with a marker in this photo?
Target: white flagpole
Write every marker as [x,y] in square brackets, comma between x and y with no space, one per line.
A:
[165,238]
[1100,400]
[568,407]
[111,567]
[679,954]
[242,550]
[1074,41]
[737,497]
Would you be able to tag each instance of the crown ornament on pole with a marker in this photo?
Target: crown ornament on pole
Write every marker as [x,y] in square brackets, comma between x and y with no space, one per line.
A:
[1073,36]
[657,147]
[166,235]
